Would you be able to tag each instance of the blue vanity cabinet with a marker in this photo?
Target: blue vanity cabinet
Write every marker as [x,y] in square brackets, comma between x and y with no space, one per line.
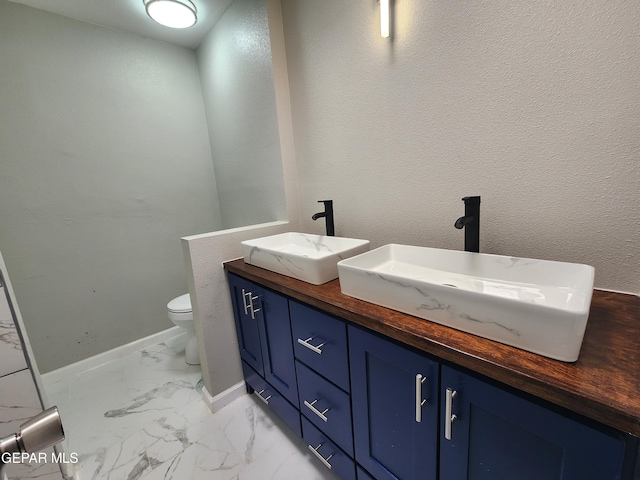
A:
[394,392]
[372,408]
[264,334]
[497,434]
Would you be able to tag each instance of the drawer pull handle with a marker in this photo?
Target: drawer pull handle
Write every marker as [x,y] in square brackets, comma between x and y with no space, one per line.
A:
[259,394]
[419,401]
[313,348]
[319,413]
[322,459]
[449,417]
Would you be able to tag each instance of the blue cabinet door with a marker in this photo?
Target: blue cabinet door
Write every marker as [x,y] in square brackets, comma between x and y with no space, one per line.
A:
[394,393]
[500,435]
[246,321]
[272,312]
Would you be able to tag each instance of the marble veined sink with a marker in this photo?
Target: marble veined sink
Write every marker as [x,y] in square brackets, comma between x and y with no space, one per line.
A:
[536,305]
[307,257]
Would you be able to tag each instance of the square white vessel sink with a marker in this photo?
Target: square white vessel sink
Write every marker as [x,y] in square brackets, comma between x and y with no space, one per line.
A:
[311,258]
[536,305]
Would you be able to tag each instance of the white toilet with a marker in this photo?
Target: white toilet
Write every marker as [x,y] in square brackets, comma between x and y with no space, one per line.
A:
[181,314]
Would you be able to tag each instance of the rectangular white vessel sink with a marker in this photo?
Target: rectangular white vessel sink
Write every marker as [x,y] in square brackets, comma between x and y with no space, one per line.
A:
[307,257]
[536,305]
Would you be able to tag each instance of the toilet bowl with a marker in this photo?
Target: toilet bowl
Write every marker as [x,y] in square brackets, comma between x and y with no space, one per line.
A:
[181,314]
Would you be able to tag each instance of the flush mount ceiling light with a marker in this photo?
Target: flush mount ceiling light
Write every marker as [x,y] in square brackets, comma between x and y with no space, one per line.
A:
[172,13]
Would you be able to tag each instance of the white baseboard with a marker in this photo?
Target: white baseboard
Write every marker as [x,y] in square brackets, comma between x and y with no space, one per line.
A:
[69,371]
[223,399]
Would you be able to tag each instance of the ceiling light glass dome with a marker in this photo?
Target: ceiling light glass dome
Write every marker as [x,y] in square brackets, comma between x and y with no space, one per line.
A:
[172,13]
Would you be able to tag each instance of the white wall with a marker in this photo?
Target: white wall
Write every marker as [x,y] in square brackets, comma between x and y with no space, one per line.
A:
[237,83]
[205,253]
[104,164]
[533,105]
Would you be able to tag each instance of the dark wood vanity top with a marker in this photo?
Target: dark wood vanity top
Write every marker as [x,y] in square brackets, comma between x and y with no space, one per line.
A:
[604,384]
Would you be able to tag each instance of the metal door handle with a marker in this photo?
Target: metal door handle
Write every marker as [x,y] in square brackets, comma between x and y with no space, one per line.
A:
[259,394]
[419,400]
[253,309]
[319,413]
[313,348]
[449,417]
[322,459]
[244,301]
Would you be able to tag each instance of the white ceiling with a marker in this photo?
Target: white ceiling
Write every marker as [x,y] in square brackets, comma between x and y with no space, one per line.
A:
[130,16]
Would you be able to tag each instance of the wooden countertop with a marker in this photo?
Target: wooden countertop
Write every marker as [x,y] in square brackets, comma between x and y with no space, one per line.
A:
[604,384]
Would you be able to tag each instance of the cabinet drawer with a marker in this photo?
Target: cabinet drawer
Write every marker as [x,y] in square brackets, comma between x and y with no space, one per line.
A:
[327,452]
[326,406]
[272,398]
[320,341]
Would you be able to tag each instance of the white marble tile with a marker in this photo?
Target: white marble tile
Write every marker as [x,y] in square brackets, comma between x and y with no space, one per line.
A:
[11,352]
[18,401]
[244,442]
[124,460]
[37,471]
[142,417]
[211,457]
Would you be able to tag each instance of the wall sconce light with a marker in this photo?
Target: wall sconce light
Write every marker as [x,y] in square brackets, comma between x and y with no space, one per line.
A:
[172,13]
[385,18]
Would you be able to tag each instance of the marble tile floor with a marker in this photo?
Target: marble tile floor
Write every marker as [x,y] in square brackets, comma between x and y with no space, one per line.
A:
[142,417]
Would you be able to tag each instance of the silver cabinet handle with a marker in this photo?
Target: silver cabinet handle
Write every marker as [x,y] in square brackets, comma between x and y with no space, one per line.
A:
[313,348]
[419,401]
[254,310]
[247,300]
[319,413]
[322,459]
[449,417]
[264,399]
[244,301]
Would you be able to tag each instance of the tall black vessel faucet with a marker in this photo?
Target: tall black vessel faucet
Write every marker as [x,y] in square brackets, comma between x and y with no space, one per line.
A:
[471,224]
[328,216]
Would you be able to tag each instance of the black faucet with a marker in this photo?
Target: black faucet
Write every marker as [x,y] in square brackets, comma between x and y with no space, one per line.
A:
[471,224]
[328,216]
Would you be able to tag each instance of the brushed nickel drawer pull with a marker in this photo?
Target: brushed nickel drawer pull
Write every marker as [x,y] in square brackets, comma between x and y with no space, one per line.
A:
[253,309]
[313,348]
[449,417]
[244,301]
[322,459]
[259,394]
[419,401]
[311,407]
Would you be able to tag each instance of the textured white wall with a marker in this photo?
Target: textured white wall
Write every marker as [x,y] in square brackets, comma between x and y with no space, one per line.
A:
[237,85]
[205,253]
[531,104]
[104,164]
